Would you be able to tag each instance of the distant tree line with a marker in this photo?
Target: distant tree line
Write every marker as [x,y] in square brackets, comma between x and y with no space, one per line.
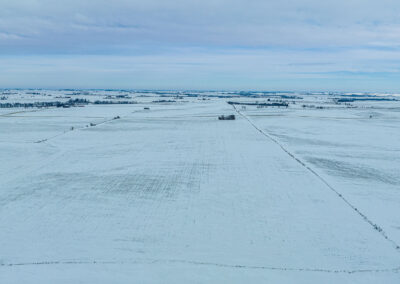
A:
[164,101]
[69,103]
[114,102]
[271,104]
[350,100]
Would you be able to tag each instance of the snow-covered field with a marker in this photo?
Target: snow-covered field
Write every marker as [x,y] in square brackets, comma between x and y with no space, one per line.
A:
[174,195]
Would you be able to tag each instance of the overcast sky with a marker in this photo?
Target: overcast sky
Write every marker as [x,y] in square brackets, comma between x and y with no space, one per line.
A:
[303,45]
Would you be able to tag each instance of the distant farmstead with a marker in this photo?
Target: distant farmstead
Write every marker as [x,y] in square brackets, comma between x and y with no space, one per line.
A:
[227,117]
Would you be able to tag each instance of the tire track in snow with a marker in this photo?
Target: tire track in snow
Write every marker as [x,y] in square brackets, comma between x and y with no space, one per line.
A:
[203,263]
[83,127]
[375,226]
[11,114]
[68,131]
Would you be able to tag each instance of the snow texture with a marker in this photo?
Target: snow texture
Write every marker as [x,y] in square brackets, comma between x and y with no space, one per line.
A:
[171,194]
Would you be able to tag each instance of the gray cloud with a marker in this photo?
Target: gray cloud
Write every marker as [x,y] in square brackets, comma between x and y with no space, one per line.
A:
[306,23]
[234,41]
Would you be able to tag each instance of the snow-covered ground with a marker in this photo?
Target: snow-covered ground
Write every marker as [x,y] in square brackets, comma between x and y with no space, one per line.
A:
[173,195]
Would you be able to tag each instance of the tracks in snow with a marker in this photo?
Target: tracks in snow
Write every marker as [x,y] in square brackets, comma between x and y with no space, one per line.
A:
[11,114]
[81,128]
[203,263]
[311,170]
[67,131]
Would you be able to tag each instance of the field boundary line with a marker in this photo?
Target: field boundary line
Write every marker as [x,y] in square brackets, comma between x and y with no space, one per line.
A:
[203,263]
[374,226]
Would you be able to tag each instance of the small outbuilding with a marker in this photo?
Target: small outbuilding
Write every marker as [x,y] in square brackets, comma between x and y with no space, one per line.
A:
[227,117]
